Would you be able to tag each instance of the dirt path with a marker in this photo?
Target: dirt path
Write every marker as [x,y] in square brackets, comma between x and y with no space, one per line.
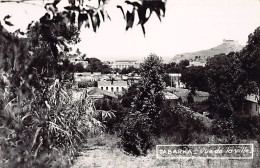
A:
[104,152]
[105,157]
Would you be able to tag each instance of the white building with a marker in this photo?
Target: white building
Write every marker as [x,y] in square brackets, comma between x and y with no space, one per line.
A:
[120,64]
[176,80]
[113,86]
[252,105]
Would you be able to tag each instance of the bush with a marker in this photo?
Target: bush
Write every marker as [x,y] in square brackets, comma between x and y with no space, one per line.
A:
[225,130]
[247,127]
[135,134]
[181,124]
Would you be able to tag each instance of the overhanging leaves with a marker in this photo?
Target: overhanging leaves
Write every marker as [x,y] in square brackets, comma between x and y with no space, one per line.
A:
[157,6]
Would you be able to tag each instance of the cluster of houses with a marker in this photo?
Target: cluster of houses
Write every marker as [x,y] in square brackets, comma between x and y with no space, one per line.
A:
[114,85]
[103,85]
[119,64]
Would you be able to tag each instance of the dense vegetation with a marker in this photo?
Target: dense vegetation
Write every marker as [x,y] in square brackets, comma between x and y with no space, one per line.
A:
[41,126]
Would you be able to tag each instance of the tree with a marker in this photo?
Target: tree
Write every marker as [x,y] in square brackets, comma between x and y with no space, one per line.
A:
[184,63]
[36,106]
[174,67]
[79,68]
[228,84]
[92,14]
[195,78]
[171,68]
[128,70]
[250,58]
[150,95]
[95,65]
[106,69]
[144,119]
[49,120]
[128,97]
[167,80]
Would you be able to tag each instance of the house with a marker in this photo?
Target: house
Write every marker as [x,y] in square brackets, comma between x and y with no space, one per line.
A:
[120,64]
[87,76]
[132,79]
[176,80]
[252,104]
[113,86]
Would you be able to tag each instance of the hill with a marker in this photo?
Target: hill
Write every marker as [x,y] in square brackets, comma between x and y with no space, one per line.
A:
[201,56]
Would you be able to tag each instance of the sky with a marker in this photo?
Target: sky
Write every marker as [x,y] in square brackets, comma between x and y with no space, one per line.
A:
[189,25]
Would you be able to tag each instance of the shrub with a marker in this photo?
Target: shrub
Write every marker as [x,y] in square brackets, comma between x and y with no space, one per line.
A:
[181,124]
[247,127]
[135,134]
[224,129]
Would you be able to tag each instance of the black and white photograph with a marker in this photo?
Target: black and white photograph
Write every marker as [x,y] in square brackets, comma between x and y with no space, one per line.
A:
[129,83]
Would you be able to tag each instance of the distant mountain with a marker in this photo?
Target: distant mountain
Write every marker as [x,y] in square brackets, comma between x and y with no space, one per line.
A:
[201,56]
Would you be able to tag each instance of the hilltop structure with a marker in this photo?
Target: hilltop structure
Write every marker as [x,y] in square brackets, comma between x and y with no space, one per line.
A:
[200,57]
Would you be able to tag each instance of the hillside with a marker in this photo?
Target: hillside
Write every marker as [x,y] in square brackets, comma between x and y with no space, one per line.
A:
[201,56]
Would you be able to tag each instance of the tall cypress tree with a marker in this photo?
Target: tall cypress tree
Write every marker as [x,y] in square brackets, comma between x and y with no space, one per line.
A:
[150,98]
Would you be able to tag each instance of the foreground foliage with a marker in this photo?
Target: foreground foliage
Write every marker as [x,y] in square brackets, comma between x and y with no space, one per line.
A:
[44,134]
[40,125]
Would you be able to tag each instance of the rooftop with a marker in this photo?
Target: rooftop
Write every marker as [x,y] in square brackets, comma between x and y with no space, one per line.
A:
[109,83]
[104,92]
[174,74]
[253,98]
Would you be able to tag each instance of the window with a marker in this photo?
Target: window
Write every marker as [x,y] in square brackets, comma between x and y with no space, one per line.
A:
[102,88]
[112,89]
[117,89]
[106,88]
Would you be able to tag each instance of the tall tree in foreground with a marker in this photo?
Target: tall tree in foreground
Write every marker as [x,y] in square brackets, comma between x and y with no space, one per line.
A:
[144,119]
[150,96]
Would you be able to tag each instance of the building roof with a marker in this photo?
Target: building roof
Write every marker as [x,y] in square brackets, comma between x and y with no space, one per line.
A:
[253,98]
[170,96]
[82,73]
[97,91]
[174,74]
[183,93]
[86,73]
[109,83]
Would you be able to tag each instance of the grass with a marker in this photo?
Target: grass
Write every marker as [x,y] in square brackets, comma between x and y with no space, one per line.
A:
[104,151]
